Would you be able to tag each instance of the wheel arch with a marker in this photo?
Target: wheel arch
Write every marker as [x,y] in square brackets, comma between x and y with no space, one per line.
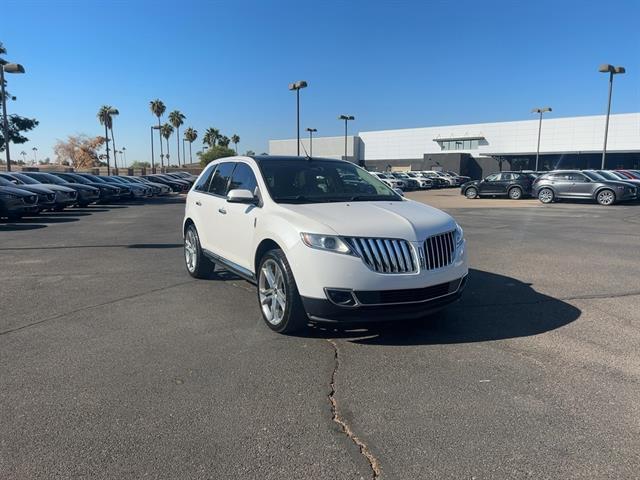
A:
[263,247]
[604,187]
[187,223]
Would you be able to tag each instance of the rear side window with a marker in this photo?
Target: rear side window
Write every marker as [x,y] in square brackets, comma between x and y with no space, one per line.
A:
[220,179]
[507,176]
[243,178]
[203,183]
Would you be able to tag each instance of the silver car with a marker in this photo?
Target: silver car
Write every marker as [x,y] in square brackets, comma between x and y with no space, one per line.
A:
[577,184]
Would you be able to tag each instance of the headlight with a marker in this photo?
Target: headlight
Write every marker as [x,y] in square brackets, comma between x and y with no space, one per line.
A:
[9,196]
[459,235]
[325,242]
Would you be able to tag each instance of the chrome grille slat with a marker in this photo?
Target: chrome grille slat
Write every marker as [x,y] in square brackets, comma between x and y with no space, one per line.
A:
[439,250]
[385,255]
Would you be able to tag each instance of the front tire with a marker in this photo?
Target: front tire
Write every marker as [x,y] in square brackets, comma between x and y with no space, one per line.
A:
[606,197]
[471,192]
[198,265]
[278,297]
[515,193]
[546,195]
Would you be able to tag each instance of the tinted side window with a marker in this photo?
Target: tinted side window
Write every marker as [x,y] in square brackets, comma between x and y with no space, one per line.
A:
[203,183]
[220,179]
[493,178]
[243,178]
[507,176]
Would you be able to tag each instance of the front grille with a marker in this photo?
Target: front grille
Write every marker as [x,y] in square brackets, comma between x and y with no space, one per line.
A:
[376,297]
[439,250]
[51,197]
[72,194]
[30,200]
[384,255]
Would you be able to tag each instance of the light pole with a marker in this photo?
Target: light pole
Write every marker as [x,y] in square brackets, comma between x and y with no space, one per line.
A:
[611,70]
[35,155]
[297,86]
[183,157]
[8,68]
[346,119]
[112,112]
[311,132]
[539,111]
[153,162]
[124,156]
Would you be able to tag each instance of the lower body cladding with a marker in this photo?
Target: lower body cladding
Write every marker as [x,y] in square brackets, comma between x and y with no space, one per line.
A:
[342,288]
[347,306]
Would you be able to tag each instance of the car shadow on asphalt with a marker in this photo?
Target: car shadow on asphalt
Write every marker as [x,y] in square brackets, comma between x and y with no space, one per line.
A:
[17,227]
[49,219]
[493,307]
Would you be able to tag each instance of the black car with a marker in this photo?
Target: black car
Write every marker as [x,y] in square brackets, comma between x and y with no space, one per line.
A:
[86,193]
[107,192]
[46,196]
[514,185]
[65,196]
[125,192]
[15,203]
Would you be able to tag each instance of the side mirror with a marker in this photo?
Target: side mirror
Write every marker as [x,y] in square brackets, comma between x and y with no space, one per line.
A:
[241,196]
[399,192]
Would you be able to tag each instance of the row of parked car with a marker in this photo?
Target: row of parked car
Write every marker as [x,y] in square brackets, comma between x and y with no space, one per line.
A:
[29,193]
[421,180]
[605,187]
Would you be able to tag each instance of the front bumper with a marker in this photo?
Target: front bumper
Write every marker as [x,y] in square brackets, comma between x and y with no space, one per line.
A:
[407,304]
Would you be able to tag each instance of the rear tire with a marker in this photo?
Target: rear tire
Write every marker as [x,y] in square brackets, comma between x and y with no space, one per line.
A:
[606,197]
[546,195]
[278,297]
[198,265]
[515,193]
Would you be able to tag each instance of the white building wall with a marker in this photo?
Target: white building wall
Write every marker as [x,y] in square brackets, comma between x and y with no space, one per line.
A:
[571,134]
[327,147]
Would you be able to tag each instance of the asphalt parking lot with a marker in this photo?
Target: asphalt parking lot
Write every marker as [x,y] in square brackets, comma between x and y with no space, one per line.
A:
[114,363]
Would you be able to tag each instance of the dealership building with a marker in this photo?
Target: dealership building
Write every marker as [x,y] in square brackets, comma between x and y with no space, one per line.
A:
[478,149]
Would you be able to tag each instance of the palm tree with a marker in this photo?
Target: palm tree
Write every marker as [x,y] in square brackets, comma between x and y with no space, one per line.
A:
[190,135]
[157,108]
[24,156]
[235,139]
[224,141]
[105,117]
[177,118]
[211,136]
[166,130]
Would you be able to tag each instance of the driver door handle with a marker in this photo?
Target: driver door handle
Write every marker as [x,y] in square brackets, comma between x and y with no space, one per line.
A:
[222,210]
[198,204]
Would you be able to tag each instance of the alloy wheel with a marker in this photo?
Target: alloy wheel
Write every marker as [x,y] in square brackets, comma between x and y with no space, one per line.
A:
[515,193]
[471,192]
[190,250]
[545,195]
[606,197]
[272,292]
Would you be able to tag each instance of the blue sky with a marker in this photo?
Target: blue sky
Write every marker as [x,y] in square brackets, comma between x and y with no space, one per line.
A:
[392,64]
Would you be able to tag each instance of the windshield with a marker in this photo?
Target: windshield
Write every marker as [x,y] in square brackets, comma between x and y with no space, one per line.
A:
[593,176]
[316,181]
[77,178]
[607,175]
[25,178]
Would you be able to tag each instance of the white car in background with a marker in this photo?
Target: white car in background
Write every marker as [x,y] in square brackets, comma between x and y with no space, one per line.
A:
[389,180]
[321,248]
[450,181]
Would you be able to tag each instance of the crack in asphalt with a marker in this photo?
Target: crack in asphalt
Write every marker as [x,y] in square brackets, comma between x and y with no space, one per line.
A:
[344,426]
[95,305]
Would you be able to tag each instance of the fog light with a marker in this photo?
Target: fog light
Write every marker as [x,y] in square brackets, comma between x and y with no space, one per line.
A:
[343,298]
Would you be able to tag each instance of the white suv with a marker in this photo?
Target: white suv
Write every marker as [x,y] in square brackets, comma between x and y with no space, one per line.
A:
[323,240]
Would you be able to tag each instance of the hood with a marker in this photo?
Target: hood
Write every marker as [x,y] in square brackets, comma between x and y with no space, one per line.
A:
[80,187]
[35,188]
[406,219]
[57,188]
[15,191]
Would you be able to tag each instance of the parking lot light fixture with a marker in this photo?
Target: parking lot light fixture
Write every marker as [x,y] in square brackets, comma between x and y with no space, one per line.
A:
[311,132]
[153,163]
[346,119]
[7,68]
[611,70]
[297,86]
[539,111]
